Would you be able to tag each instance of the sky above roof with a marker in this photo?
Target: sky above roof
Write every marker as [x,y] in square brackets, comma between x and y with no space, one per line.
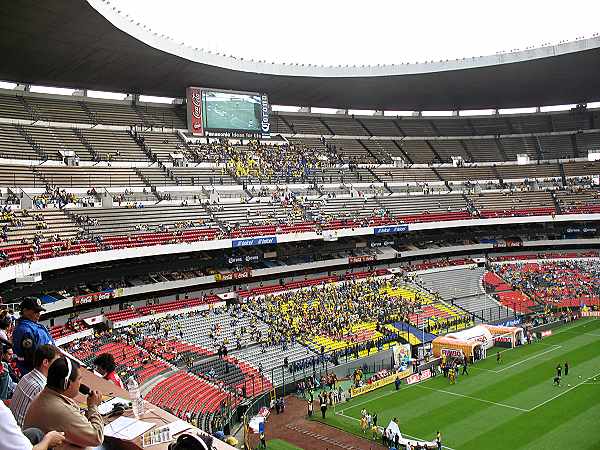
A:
[341,32]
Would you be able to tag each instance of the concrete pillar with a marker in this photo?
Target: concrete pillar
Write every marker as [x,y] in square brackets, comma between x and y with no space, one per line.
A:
[107,200]
[26,202]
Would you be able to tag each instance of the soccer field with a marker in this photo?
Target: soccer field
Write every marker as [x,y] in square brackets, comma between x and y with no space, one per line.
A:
[512,405]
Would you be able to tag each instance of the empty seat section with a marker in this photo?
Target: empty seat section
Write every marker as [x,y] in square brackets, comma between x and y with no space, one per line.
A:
[114,145]
[345,126]
[484,150]
[307,125]
[13,144]
[555,147]
[382,127]
[539,171]
[520,145]
[11,107]
[58,110]
[415,127]
[418,151]
[84,177]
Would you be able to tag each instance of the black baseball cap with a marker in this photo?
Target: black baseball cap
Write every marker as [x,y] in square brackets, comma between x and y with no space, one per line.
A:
[32,303]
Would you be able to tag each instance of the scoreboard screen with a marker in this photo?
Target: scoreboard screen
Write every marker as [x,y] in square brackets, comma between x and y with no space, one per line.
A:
[227,113]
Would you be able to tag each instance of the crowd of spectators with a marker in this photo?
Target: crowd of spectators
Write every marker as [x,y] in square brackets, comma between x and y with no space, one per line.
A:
[555,283]
[333,310]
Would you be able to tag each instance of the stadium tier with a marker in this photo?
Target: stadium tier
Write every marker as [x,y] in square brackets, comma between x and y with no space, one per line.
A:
[249,241]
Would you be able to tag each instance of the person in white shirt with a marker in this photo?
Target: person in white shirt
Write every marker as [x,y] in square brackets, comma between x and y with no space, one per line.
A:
[32,383]
[14,439]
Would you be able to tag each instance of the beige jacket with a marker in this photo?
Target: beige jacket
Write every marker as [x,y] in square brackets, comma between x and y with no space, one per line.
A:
[53,411]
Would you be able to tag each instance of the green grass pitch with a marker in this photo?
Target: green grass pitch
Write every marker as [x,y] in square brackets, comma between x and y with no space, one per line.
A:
[512,405]
[278,444]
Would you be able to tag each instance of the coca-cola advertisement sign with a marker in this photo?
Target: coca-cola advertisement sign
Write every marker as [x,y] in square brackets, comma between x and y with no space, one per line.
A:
[194,110]
[92,298]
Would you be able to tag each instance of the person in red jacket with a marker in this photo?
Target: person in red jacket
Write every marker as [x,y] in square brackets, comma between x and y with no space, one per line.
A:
[105,365]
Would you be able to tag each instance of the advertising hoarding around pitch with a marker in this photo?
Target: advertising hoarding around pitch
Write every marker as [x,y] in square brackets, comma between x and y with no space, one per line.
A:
[220,113]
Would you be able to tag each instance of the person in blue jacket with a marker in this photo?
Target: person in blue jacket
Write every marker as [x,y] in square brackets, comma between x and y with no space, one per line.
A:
[29,333]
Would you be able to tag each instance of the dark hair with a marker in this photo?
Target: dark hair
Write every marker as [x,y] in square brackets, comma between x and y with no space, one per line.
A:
[43,352]
[4,319]
[58,371]
[189,441]
[105,361]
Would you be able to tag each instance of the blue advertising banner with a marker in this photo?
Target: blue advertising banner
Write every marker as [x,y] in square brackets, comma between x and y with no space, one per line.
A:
[254,241]
[510,323]
[391,229]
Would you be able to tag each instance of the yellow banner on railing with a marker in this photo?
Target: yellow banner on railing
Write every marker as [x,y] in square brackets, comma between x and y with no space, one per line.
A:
[379,383]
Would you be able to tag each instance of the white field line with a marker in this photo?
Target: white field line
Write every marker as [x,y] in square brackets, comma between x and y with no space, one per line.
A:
[582,334]
[554,347]
[475,398]
[569,329]
[528,359]
[563,392]
[403,434]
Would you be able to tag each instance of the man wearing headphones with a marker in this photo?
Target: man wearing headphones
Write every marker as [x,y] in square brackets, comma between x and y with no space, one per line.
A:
[29,333]
[55,409]
[189,441]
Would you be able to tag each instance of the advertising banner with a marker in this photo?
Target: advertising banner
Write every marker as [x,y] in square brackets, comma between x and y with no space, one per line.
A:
[265,125]
[452,352]
[194,111]
[416,377]
[379,383]
[361,259]
[92,298]
[391,229]
[254,241]
[246,273]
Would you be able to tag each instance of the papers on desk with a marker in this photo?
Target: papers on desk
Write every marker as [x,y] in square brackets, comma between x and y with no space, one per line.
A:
[107,406]
[126,428]
[178,426]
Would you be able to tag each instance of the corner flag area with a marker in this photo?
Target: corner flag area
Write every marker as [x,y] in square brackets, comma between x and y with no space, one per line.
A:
[508,405]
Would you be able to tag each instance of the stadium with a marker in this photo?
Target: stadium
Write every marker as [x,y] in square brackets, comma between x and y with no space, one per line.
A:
[293,256]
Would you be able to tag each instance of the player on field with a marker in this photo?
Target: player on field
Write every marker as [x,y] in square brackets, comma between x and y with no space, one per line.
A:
[558,370]
[498,358]
[557,380]
[566,368]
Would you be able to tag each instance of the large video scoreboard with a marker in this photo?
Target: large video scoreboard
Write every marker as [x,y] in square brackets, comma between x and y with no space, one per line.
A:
[227,113]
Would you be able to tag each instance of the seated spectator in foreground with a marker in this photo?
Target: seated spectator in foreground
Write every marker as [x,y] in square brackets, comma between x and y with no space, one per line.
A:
[105,365]
[15,439]
[8,356]
[33,383]
[7,385]
[55,409]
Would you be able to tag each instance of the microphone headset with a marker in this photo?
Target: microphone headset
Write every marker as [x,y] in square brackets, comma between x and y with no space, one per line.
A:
[69,372]
[83,389]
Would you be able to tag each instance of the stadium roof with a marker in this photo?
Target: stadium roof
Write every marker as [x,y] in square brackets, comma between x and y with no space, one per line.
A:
[77,44]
